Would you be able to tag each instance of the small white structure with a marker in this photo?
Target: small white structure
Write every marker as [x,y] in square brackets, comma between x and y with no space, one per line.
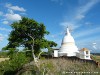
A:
[68,48]
[84,53]
[56,53]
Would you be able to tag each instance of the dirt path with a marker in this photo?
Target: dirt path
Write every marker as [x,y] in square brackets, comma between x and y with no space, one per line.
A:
[3,59]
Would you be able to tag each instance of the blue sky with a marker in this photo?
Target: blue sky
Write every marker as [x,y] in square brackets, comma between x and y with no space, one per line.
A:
[82,17]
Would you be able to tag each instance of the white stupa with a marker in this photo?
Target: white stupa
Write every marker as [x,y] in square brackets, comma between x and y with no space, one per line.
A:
[68,46]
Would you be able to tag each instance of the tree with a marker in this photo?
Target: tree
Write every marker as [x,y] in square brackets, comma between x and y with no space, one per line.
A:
[21,32]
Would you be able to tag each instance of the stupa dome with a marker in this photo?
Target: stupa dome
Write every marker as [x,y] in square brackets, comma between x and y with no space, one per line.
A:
[68,45]
[68,38]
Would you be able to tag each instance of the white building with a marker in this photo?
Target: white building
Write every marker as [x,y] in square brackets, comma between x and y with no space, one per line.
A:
[68,48]
[84,53]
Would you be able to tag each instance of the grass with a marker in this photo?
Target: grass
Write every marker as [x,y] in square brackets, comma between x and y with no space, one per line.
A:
[62,66]
[96,57]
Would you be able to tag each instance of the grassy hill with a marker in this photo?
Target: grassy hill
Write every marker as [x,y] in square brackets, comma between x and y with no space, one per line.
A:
[49,66]
[61,66]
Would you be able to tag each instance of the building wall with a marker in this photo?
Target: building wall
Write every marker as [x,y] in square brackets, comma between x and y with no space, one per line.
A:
[80,54]
[55,53]
[83,55]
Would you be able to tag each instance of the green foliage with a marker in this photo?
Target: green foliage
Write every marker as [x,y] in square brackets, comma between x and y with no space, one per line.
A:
[11,52]
[13,65]
[21,32]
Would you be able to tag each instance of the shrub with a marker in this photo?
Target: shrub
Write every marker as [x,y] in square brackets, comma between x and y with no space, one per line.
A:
[9,67]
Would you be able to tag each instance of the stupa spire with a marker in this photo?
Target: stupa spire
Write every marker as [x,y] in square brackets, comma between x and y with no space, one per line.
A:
[67,32]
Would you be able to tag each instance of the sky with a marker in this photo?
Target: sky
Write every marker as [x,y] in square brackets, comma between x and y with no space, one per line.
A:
[81,16]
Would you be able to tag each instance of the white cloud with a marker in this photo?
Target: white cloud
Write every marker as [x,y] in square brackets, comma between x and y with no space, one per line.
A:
[1,37]
[6,35]
[88,24]
[78,15]
[53,36]
[17,8]
[10,11]
[88,32]
[1,13]
[13,17]
[71,26]
[94,46]
[81,11]
[94,43]
[4,29]
[5,22]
